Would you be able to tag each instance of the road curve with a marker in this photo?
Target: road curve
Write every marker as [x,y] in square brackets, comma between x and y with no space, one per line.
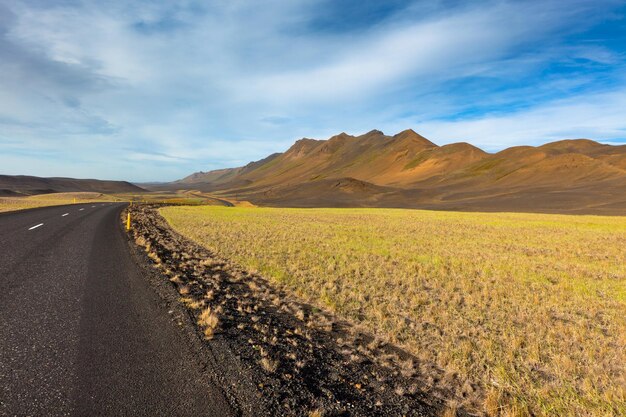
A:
[81,331]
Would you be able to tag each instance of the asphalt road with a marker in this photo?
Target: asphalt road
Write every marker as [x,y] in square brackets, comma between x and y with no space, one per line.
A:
[81,331]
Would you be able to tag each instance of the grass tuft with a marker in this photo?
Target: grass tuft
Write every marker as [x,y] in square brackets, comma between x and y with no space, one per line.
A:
[209,321]
[269,364]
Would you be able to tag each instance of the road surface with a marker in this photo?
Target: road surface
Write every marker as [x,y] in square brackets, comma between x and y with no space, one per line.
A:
[81,331]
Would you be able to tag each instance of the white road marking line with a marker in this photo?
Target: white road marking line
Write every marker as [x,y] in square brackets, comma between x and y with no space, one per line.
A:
[36,226]
[81,209]
[92,206]
[63,215]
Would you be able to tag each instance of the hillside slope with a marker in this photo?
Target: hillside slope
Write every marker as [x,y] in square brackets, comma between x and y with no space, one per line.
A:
[408,170]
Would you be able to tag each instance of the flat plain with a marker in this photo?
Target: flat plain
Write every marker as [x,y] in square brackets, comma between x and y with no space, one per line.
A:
[13,203]
[521,313]
[56,199]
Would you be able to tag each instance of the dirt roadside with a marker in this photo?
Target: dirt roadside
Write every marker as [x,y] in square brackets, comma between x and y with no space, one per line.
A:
[271,353]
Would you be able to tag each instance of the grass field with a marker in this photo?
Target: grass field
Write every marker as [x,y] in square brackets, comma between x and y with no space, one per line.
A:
[527,310]
[56,199]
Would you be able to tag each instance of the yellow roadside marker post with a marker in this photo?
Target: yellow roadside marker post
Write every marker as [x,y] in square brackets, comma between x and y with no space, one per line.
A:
[128,222]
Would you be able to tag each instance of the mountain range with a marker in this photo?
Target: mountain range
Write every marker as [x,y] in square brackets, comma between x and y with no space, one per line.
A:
[404,170]
[408,170]
[21,185]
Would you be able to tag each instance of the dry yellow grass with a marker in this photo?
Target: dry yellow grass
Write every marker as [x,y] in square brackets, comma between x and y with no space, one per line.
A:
[56,199]
[209,321]
[527,310]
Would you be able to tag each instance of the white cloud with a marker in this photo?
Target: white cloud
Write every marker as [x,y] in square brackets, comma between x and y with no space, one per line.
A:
[435,50]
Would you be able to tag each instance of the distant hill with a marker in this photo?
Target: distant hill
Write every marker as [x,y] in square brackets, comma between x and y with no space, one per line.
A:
[16,185]
[408,170]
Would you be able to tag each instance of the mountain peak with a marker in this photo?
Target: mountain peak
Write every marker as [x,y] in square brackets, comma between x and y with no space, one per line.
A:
[336,141]
[407,132]
[374,132]
[574,144]
[342,135]
[302,146]
[411,135]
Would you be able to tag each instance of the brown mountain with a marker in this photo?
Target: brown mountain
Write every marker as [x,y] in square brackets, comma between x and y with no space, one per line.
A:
[26,185]
[408,170]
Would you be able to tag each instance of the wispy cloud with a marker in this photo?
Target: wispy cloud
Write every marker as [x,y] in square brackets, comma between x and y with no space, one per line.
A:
[152,91]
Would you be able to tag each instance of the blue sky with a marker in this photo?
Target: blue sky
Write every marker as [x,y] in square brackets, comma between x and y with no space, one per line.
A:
[149,91]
